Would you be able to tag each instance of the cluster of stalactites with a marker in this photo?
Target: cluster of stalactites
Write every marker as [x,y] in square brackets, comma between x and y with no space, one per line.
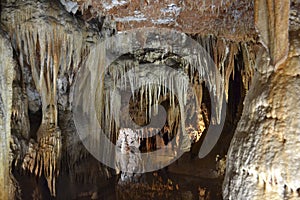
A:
[129,74]
[49,50]
[44,157]
[224,54]
[153,83]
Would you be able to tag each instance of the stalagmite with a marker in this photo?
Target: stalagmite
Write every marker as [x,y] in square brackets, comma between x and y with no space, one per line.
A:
[263,162]
[128,141]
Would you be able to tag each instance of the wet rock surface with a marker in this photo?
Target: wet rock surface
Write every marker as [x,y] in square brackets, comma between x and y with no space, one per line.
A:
[46,44]
[6,94]
[263,162]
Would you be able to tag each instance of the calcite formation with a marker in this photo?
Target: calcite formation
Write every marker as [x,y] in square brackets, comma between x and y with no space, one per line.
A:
[46,45]
[263,162]
[7,74]
[128,140]
[231,19]
[265,165]
[50,52]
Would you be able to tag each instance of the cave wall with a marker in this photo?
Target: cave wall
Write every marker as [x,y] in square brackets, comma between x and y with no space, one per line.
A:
[6,80]
[262,159]
[263,162]
[50,45]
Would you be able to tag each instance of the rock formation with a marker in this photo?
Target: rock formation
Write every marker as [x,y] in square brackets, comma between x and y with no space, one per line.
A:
[45,46]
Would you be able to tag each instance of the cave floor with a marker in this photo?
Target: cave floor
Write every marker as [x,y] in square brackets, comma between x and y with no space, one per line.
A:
[161,184]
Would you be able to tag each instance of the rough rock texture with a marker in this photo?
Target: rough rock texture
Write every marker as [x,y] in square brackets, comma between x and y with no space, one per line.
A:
[47,43]
[263,162]
[272,21]
[117,76]
[6,92]
[231,19]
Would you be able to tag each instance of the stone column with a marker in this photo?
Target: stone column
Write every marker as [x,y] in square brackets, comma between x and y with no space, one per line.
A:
[263,159]
[6,92]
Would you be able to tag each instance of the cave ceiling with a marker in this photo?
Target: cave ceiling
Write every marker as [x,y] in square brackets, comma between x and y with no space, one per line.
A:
[47,46]
[231,19]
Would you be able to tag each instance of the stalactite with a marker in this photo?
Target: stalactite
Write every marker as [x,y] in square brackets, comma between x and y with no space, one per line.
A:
[272,21]
[224,54]
[122,75]
[51,50]
[45,77]
[44,157]
[248,71]
[207,72]
[233,50]
[151,90]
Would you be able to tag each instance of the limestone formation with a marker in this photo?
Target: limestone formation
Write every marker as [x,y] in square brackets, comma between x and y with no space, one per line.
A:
[263,159]
[54,83]
[7,74]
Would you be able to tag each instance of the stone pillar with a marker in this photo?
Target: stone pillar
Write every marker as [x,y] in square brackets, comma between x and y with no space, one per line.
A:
[272,21]
[6,92]
[263,159]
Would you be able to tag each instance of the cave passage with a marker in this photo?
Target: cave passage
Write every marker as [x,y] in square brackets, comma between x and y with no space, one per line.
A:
[188,175]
